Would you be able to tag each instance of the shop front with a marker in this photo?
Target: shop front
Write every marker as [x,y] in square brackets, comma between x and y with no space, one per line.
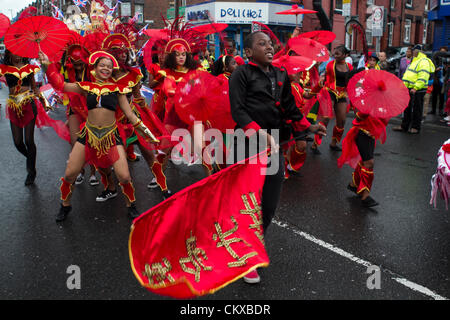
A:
[239,16]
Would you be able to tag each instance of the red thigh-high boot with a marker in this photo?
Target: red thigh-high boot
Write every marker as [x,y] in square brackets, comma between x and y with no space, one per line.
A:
[131,156]
[128,191]
[297,159]
[157,170]
[366,179]
[337,133]
[66,193]
[66,190]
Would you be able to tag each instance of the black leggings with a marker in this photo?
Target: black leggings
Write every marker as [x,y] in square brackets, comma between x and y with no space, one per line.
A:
[366,146]
[27,148]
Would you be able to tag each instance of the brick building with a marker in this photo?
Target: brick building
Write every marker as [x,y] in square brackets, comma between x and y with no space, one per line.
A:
[405,21]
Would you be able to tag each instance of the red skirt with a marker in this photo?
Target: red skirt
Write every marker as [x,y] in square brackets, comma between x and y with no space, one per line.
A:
[31,108]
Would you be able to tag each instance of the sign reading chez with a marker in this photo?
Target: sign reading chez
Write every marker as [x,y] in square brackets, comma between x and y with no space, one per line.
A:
[232,12]
[239,13]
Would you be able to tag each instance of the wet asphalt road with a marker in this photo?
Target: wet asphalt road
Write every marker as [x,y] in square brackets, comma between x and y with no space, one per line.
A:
[320,244]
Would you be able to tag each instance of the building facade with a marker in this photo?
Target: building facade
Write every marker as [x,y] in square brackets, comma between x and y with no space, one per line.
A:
[439,14]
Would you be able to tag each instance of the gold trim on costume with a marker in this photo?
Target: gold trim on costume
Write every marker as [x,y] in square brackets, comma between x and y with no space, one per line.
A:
[16,102]
[99,138]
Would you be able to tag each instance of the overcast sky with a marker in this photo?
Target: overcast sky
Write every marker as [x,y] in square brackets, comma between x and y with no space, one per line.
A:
[13,6]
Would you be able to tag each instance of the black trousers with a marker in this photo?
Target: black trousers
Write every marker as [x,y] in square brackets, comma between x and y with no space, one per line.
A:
[273,183]
[412,116]
[437,95]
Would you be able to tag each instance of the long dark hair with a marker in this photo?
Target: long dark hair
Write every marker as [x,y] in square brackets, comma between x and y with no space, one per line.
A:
[171,62]
[7,60]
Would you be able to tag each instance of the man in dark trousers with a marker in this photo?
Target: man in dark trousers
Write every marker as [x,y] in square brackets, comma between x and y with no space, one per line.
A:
[261,99]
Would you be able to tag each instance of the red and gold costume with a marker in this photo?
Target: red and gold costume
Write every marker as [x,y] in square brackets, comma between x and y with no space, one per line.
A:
[373,127]
[23,107]
[339,91]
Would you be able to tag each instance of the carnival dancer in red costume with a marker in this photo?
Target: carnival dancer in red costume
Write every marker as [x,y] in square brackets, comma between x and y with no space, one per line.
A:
[73,67]
[179,67]
[378,96]
[100,141]
[337,75]
[24,108]
[295,151]
[119,46]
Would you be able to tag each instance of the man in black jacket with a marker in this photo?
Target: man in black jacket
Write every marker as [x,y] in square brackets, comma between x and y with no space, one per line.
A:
[261,99]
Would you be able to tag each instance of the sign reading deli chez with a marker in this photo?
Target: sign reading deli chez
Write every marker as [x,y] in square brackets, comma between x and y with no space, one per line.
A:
[240,13]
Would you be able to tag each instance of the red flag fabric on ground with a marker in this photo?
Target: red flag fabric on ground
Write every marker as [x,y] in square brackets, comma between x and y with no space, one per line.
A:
[198,241]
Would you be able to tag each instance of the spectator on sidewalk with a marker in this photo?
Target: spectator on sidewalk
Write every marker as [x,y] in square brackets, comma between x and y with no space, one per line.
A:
[405,62]
[437,100]
[416,80]
[384,65]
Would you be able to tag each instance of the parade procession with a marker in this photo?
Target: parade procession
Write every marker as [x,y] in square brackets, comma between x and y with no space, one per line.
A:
[223,150]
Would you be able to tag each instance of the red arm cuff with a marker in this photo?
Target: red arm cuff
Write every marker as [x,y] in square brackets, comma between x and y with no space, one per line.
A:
[301,125]
[252,125]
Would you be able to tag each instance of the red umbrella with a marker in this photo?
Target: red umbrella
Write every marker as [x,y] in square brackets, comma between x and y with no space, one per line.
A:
[157,33]
[28,36]
[4,24]
[309,48]
[296,10]
[322,36]
[378,93]
[294,64]
[203,98]
[210,28]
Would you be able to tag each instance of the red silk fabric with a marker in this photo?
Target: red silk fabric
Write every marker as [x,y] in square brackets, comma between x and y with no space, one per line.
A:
[198,241]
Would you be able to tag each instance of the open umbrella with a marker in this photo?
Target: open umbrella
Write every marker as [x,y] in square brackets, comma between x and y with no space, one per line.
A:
[203,98]
[210,28]
[4,24]
[378,93]
[28,36]
[322,36]
[294,64]
[309,48]
[296,10]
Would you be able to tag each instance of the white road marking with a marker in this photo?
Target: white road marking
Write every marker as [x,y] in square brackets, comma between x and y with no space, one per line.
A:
[409,284]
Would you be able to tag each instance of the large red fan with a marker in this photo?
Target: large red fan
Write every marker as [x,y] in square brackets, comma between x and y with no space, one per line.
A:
[28,36]
[378,93]
[295,10]
[203,98]
[322,36]
[4,24]
[309,48]
[294,64]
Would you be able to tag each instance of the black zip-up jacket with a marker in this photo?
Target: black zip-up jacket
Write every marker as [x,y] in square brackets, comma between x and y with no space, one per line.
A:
[257,102]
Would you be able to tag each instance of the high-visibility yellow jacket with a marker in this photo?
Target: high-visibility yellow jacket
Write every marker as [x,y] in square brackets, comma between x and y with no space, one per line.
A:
[418,72]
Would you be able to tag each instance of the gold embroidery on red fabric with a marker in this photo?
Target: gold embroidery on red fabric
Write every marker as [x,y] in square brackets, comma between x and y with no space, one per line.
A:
[255,213]
[194,258]
[159,271]
[241,261]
